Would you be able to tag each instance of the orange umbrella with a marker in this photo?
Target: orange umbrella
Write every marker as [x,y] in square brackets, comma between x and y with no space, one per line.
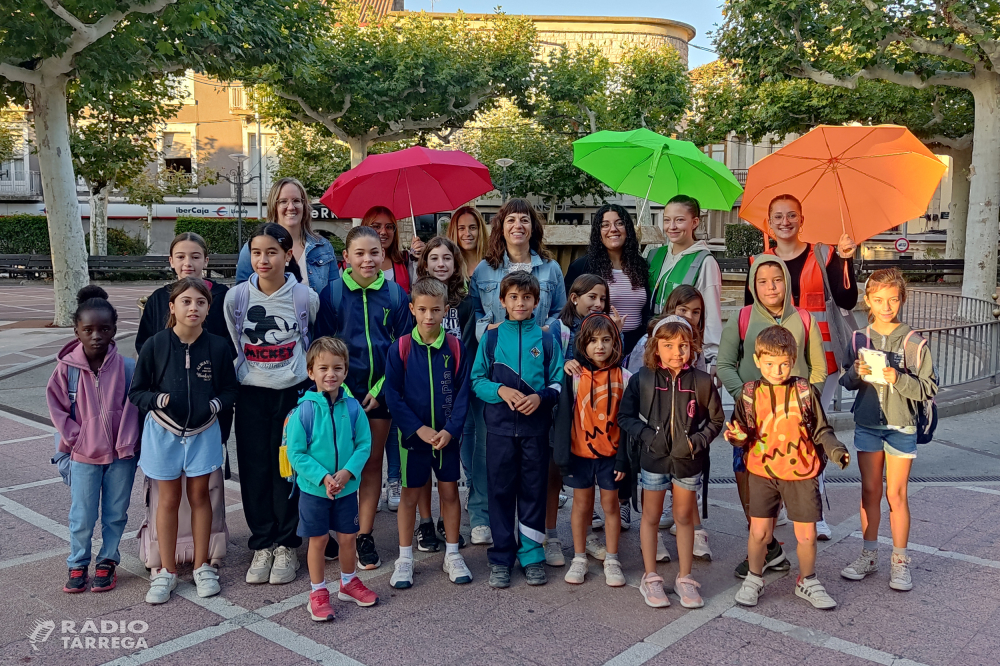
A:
[855,180]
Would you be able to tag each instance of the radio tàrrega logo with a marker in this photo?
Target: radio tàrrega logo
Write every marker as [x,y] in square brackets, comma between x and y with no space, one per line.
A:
[93,635]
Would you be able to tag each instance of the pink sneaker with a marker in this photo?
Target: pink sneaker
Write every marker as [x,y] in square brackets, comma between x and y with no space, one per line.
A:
[651,588]
[687,589]
[357,592]
[319,606]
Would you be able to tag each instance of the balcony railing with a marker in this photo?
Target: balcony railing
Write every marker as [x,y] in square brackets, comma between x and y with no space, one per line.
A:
[27,185]
[741,176]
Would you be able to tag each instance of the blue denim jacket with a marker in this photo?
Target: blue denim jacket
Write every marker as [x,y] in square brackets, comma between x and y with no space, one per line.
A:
[485,291]
[321,263]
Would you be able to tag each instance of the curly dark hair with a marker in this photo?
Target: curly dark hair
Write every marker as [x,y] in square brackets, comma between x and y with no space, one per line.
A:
[634,266]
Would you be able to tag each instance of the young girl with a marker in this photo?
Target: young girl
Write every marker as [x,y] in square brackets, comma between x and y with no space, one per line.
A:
[368,312]
[269,317]
[469,232]
[184,378]
[98,428]
[885,416]
[590,399]
[687,261]
[188,258]
[684,301]
[674,411]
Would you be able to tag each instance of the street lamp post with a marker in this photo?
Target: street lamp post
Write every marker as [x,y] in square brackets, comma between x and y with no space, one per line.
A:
[239,178]
[503,163]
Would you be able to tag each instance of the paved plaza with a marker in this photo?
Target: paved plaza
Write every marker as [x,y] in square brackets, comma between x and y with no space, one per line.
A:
[952,616]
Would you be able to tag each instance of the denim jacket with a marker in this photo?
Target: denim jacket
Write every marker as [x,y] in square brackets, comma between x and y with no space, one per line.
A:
[485,292]
[321,263]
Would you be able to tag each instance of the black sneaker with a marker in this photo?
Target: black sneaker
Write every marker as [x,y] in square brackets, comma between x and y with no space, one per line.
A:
[332,551]
[535,574]
[77,580]
[443,536]
[367,555]
[104,576]
[775,559]
[427,541]
[499,576]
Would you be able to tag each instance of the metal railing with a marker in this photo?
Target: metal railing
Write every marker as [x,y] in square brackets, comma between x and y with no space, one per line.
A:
[27,184]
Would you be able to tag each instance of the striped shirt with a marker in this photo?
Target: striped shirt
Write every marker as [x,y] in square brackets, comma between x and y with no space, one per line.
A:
[628,300]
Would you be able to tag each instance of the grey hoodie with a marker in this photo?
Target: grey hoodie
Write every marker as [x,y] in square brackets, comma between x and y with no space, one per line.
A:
[891,405]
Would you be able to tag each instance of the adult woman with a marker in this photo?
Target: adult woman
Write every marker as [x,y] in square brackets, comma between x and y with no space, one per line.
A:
[288,205]
[467,230]
[614,255]
[397,265]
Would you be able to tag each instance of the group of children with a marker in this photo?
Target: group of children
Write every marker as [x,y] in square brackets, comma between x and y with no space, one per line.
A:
[315,379]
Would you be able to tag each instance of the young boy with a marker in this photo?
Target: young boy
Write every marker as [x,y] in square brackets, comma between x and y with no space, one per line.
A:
[328,441]
[427,389]
[518,374]
[778,421]
[769,284]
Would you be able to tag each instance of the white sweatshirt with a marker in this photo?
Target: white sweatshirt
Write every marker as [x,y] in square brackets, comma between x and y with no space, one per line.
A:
[709,283]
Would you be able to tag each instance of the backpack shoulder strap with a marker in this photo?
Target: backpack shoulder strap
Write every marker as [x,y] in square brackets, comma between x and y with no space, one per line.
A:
[241,302]
[72,386]
[806,400]
[646,391]
[129,371]
[694,270]
[404,349]
[353,410]
[306,418]
[455,348]
[394,292]
[490,342]
[300,301]
[806,320]
[744,320]
[918,352]
[336,294]
[749,396]
[548,344]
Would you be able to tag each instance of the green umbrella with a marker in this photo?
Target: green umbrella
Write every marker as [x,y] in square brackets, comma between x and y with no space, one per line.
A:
[645,164]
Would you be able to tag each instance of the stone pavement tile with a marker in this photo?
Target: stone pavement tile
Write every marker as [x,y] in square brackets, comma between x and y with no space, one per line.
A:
[493,616]
[568,636]
[17,472]
[418,638]
[20,538]
[51,500]
[709,644]
[973,541]
[10,429]
[237,647]
[471,653]
[754,635]
[624,610]
[762,654]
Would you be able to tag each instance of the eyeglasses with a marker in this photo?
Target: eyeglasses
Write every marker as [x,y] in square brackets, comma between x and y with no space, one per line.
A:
[294,203]
[791,217]
[388,228]
[605,226]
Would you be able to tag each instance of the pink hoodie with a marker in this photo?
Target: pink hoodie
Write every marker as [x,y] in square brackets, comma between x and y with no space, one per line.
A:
[105,428]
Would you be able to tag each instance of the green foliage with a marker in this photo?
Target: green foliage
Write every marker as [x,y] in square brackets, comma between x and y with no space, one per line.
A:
[219,233]
[10,135]
[336,241]
[743,240]
[121,243]
[24,234]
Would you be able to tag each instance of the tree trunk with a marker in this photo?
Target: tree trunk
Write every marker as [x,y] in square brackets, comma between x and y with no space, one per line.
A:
[961,160]
[149,226]
[551,217]
[984,192]
[99,219]
[359,151]
[69,251]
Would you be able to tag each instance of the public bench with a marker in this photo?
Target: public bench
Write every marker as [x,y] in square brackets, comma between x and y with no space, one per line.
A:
[39,265]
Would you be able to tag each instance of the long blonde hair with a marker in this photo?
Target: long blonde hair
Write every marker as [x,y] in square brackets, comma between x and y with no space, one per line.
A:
[483,237]
[272,207]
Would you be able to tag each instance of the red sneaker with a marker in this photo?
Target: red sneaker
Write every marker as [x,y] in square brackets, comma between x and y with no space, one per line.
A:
[357,592]
[319,606]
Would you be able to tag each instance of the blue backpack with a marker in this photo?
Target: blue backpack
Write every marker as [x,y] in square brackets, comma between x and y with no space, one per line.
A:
[61,459]
[490,342]
[307,415]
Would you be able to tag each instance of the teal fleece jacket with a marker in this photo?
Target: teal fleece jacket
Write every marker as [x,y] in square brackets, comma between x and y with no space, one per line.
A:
[314,461]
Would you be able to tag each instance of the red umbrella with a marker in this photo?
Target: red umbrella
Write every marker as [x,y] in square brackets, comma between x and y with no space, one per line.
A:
[409,182]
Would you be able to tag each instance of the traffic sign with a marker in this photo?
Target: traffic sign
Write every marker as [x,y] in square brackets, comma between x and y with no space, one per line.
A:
[902,245]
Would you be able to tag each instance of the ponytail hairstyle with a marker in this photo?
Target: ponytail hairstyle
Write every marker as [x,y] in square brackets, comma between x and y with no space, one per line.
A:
[581,286]
[93,297]
[189,236]
[360,232]
[882,278]
[284,240]
[592,326]
[183,285]
[457,289]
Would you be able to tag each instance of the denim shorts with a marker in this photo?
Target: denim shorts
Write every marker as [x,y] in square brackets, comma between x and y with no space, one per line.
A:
[893,442]
[652,481]
[165,456]
[318,515]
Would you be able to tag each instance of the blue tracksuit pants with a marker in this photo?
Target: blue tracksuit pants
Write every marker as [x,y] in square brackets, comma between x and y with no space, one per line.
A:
[517,479]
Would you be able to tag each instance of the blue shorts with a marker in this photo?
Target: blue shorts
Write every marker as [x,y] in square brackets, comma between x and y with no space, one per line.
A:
[893,442]
[416,465]
[653,482]
[583,472]
[165,456]
[318,515]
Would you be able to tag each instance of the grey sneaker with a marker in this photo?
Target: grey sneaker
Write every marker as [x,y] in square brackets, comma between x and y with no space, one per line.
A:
[553,553]
[597,522]
[458,572]
[750,590]
[662,554]
[160,586]
[613,575]
[286,563]
[481,535]
[867,563]
[392,495]
[595,548]
[577,571]
[899,573]
[402,574]
[701,549]
[535,574]
[813,591]
[666,518]
[499,576]
[823,532]
[206,579]
[260,567]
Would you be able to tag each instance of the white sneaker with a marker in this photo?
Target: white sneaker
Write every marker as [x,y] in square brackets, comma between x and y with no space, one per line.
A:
[381,501]
[286,563]
[673,529]
[402,574]
[260,567]
[782,516]
[813,591]
[701,549]
[553,553]
[596,522]
[160,586]
[867,563]
[392,494]
[577,571]
[823,532]
[458,572]
[667,517]
[595,548]
[482,535]
[899,573]
[206,579]
[613,575]
[661,551]
[750,590]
